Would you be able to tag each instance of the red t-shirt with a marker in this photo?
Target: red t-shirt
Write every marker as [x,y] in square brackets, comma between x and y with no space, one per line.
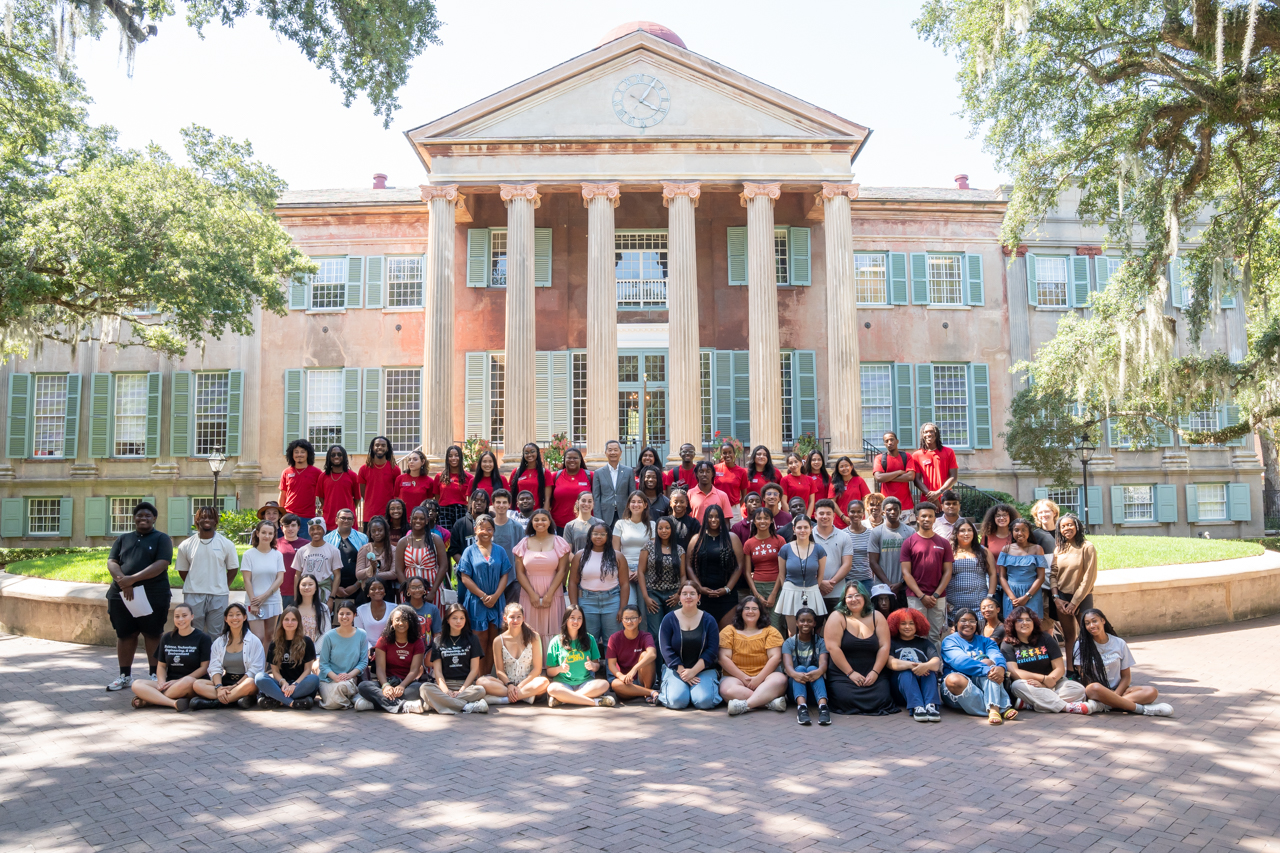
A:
[901,491]
[400,658]
[414,491]
[528,482]
[453,492]
[299,489]
[680,474]
[732,482]
[799,486]
[935,466]
[926,557]
[855,490]
[287,551]
[564,494]
[763,554]
[486,484]
[757,481]
[379,485]
[340,492]
[627,652]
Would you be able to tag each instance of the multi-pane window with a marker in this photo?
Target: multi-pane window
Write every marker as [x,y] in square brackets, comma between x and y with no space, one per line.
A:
[951,403]
[1051,282]
[1068,500]
[404,282]
[641,269]
[869,277]
[780,257]
[50,416]
[130,427]
[497,396]
[197,503]
[497,258]
[324,408]
[946,282]
[655,368]
[329,284]
[122,515]
[579,403]
[212,404]
[43,516]
[628,368]
[1211,500]
[1113,266]
[403,407]
[1205,420]
[877,401]
[788,426]
[1139,503]
[704,387]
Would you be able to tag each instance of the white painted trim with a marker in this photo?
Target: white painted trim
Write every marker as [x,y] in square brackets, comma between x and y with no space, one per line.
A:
[644,336]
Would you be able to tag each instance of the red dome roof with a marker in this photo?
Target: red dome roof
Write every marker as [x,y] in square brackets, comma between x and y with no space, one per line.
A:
[649,27]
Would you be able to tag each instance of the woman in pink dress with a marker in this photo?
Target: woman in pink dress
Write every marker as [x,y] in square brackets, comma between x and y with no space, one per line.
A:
[542,564]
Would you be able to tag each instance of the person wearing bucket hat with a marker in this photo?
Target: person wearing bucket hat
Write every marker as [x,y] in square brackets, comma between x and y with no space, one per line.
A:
[272,511]
[883,599]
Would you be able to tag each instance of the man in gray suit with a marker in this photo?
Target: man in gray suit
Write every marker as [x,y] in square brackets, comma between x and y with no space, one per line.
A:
[612,484]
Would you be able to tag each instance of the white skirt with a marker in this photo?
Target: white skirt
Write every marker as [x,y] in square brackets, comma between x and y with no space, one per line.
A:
[793,597]
[273,606]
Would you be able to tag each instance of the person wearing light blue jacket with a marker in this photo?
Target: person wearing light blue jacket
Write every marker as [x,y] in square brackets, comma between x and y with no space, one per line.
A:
[341,660]
[974,672]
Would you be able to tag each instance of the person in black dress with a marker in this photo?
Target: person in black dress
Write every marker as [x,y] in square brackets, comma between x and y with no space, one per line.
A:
[715,562]
[857,639]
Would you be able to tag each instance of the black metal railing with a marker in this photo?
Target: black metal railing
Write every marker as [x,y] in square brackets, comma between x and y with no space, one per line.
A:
[1271,508]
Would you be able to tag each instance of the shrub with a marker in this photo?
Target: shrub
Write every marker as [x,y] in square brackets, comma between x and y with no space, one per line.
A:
[553,453]
[471,450]
[236,525]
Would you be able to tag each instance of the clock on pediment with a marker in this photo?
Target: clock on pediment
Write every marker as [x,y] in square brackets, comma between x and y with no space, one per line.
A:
[641,100]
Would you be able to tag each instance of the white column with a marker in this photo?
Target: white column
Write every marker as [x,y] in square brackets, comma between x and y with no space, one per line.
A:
[684,391]
[602,318]
[844,375]
[762,320]
[519,417]
[437,349]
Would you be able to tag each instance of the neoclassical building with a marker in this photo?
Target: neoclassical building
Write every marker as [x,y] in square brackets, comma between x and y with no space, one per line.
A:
[638,243]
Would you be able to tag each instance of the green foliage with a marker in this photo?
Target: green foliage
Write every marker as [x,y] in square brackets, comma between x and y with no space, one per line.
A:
[234,525]
[1042,432]
[471,450]
[1132,552]
[17,555]
[553,453]
[1024,510]
[86,565]
[805,444]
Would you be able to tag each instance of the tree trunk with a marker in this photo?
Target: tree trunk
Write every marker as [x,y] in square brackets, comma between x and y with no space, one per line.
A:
[1270,465]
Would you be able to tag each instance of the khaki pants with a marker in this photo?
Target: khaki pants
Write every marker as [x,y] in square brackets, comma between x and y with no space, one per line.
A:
[443,703]
[1046,700]
[337,695]
[937,615]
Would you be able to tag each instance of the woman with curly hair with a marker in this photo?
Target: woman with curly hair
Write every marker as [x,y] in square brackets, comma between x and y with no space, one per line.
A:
[750,654]
[1075,571]
[1022,565]
[397,675]
[915,663]
[1037,669]
[1105,662]
[288,680]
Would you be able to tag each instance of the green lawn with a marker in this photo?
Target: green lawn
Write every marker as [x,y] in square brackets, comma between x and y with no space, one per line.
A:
[87,567]
[1131,552]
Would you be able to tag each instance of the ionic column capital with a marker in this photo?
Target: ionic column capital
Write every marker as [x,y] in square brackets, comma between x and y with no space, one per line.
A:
[670,191]
[769,191]
[445,191]
[613,192]
[527,191]
[830,191]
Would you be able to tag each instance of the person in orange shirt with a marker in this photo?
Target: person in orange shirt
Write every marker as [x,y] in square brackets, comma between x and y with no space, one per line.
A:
[935,462]
[705,494]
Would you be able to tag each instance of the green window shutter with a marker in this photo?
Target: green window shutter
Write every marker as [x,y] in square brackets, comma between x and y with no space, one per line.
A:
[1041,494]
[355,281]
[299,293]
[722,392]
[17,436]
[804,381]
[1117,505]
[477,389]
[742,396]
[229,502]
[151,499]
[477,258]
[904,404]
[179,517]
[1229,416]
[542,395]
[1102,271]
[180,417]
[95,516]
[100,405]
[1239,505]
[980,406]
[542,257]
[1093,502]
[1114,439]
[800,262]
[1193,503]
[373,281]
[919,278]
[561,391]
[66,507]
[924,394]
[1166,504]
[11,517]
[235,411]
[155,388]
[1184,425]
[350,407]
[1033,295]
[975,290]
[1162,434]
[898,289]
[1079,281]
[1175,283]
[293,389]
[71,418]
[1224,278]
[737,257]
[371,409]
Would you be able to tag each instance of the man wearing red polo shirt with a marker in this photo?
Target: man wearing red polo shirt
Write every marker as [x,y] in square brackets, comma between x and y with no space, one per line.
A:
[936,463]
[895,471]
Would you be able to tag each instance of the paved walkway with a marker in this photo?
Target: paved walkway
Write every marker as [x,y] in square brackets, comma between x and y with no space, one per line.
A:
[79,770]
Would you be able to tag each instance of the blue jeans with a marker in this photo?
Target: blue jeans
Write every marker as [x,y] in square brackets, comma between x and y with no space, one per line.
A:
[978,696]
[816,689]
[600,609]
[676,694]
[270,688]
[917,690]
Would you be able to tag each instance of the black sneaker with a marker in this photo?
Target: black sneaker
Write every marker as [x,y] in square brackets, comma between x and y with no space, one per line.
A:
[266,703]
[802,715]
[824,715]
[244,703]
[199,703]
[303,704]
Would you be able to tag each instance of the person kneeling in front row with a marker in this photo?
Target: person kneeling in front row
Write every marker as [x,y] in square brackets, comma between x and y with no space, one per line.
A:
[236,659]
[343,658]
[974,672]
[289,681]
[398,658]
[181,658]
[1037,669]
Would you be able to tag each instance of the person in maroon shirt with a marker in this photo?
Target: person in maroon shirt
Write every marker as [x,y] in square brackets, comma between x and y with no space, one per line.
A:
[894,472]
[486,475]
[339,487]
[300,482]
[415,486]
[453,487]
[935,462]
[927,564]
[685,472]
[846,487]
[566,484]
[731,478]
[377,479]
[531,476]
[632,659]
[760,471]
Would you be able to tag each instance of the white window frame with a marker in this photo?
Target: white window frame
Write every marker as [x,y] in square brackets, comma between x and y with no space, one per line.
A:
[496,376]
[402,424]
[326,271]
[642,292]
[132,422]
[782,256]
[398,277]
[1052,298]
[317,394]
[940,286]
[578,398]
[52,420]
[1068,500]
[46,503]
[1202,513]
[885,403]
[1132,500]
[214,419]
[497,258]
[863,276]
[704,395]
[787,364]
[945,426]
[128,504]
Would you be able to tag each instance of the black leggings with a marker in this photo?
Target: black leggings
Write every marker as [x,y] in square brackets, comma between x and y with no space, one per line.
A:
[372,691]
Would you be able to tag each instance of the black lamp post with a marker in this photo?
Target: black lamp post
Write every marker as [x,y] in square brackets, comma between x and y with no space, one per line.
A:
[217,461]
[1085,449]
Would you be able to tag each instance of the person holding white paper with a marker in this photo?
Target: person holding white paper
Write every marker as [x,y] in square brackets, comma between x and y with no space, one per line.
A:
[138,598]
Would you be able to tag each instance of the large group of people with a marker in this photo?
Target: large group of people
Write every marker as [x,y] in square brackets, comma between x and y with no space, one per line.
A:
[699,585]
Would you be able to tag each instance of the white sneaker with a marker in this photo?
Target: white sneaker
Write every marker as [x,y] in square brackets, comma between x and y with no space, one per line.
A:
[608,700]
[1096,707]
[477,707]
[497,700]
[779,704]
[529,699]
[411,706]
[737,706]
[362,704]
[1160,709]
[552,701]
[121,682]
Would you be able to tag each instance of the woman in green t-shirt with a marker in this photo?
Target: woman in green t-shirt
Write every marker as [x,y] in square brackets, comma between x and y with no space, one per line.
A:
[573,659]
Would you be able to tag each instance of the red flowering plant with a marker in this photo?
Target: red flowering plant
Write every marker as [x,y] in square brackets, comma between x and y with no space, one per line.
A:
[553,453]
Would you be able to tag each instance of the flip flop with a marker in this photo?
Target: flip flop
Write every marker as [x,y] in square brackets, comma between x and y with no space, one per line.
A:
[1011,713]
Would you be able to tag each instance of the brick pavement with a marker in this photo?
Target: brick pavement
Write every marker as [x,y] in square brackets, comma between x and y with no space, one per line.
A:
[80,770]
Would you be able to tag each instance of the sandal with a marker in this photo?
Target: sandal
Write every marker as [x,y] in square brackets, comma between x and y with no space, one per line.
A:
[1011,713]
[994,718]
[138,703]
[651,699]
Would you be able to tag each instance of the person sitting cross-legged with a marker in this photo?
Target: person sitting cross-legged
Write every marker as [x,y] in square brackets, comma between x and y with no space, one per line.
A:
[974,672]
[235,660]
[1037,669]
[455,667]
[181,658]
[633,659]
[517,662]
[1104,661]
[397,674]
[573,662]
[343,658]
[915,663]
[289,680]
[750,653]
